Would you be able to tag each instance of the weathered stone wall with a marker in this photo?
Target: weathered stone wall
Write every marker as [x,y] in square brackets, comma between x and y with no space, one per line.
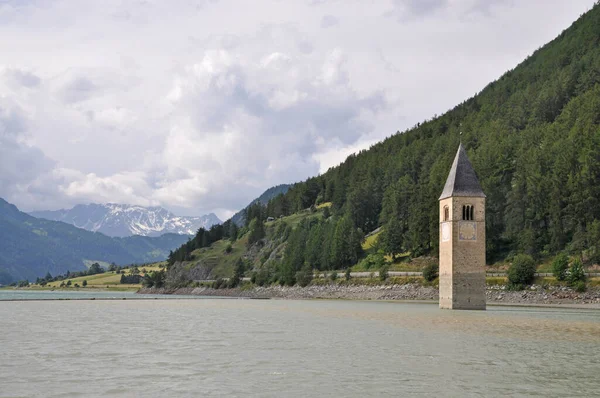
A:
[445,273]
[462,257]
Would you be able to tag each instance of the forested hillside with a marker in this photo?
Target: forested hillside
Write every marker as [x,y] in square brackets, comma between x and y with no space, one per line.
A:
[533,137]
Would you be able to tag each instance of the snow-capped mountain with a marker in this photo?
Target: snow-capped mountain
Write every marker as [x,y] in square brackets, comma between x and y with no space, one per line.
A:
[126,220]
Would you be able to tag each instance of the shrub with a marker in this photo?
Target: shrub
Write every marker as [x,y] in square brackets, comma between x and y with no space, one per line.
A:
[430,272]
[384,272]
[514,286]
[84,283]
[153,279]
[522,270]
[229,248]
[376,261]
[347,274]
[261,277]
[219,283]
[304,276]
[238,273]
[579,286]
[333,276]
[257,231]
[576,272]
[132,279]
[560,265]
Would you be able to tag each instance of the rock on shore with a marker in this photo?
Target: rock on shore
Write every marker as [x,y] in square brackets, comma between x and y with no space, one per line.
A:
[495,294]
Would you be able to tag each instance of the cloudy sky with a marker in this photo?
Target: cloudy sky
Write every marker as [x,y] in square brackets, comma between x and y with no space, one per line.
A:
[200,106]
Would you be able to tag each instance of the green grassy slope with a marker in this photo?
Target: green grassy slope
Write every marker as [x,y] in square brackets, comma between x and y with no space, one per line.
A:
[221,263]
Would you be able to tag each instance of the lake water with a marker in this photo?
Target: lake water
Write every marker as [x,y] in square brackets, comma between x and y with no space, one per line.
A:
[87,294]
[277,348]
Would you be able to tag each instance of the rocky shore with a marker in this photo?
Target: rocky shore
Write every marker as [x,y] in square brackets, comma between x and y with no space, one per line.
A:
[534,295]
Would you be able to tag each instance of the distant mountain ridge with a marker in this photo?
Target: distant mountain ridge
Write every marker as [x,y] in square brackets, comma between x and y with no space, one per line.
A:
[239,218]
[30,247]
[121,220]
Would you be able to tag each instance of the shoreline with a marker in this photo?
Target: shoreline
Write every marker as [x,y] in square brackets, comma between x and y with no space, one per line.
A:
[411,292]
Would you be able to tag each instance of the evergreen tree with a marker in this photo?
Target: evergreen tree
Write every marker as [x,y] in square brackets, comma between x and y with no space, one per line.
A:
[257,231]
[233,232]
[238,273]
[346,245]
[594,242]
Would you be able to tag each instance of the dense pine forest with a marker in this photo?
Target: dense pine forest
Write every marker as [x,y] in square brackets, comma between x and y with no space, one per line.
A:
[533,137]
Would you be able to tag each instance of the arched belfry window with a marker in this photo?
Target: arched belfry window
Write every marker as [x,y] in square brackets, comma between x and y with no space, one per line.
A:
[446,213]
[468,212]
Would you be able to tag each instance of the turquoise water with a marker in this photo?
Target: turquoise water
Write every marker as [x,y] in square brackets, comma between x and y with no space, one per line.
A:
[279,348]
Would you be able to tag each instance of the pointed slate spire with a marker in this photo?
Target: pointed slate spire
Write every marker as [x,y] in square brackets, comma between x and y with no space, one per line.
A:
[462,180]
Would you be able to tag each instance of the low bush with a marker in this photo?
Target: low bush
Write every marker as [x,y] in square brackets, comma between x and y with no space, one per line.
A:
[304,276]
[579,286]
[560,265]
[430,272]
[372,261]
[576,272]
[131,279]
[154,279]
[384,272]
[522,270]
[261,277]
[219,283]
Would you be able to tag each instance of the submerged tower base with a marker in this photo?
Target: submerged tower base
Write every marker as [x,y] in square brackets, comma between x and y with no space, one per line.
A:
[464,292]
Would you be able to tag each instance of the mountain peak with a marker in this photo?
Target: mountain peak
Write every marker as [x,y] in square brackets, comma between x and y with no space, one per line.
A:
[115,219]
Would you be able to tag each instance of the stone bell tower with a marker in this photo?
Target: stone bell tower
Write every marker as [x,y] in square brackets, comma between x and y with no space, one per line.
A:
[462,238]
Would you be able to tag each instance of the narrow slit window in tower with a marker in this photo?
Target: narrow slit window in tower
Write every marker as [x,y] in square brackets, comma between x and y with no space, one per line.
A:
[446,213]
[467,213]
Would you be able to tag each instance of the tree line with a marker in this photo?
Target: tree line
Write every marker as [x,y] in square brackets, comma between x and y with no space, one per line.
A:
[533,137]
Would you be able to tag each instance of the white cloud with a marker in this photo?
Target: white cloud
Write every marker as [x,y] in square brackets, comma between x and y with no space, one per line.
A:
[328,21]
[187,105]
[127,187]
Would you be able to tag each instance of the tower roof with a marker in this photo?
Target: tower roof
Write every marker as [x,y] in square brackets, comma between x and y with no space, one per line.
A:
[462,180]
